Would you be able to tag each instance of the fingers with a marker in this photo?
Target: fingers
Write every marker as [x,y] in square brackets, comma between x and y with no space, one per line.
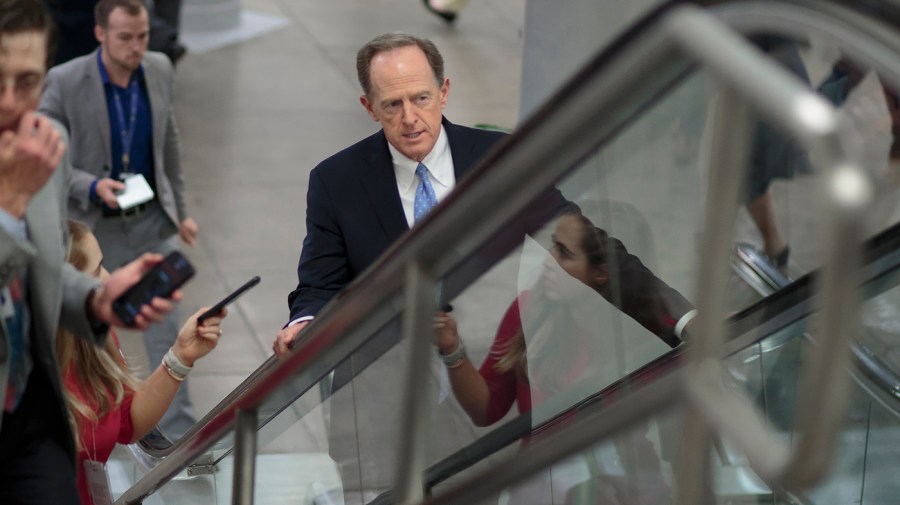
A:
[106,190]
[56,152]
[281,344]
[27,124]
[443,320]
[188,237]
[157,309]
[188,231]
[7,144]
[285,337]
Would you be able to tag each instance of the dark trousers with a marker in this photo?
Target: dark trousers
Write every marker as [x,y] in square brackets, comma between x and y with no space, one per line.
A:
[35,465]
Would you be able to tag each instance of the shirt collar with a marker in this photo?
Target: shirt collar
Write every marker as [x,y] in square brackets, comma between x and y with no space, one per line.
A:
[104,74]
[405,168]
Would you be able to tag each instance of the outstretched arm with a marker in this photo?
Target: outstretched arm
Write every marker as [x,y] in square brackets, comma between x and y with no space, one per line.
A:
[469,387]
[155,395]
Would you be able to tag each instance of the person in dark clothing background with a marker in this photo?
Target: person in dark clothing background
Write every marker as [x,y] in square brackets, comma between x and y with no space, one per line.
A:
[75,22]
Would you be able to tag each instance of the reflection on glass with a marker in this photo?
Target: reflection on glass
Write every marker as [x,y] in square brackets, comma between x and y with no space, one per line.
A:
[552,349]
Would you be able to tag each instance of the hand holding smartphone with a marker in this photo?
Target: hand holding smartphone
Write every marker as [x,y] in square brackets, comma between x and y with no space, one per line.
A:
[162,280]
[215,309]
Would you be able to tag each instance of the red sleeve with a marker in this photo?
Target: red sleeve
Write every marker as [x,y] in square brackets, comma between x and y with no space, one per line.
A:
[501,385]
[126,428]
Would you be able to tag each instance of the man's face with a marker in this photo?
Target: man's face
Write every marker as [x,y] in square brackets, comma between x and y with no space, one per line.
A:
[406,100]
[124,39]
[23,59]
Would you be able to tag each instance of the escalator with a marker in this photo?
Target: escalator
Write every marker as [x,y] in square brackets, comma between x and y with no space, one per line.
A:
[766,341]
[335,423]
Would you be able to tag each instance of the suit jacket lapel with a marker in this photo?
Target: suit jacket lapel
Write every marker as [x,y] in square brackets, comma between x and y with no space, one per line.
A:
[156,93]
[460,149]
[95,99]
[380,183]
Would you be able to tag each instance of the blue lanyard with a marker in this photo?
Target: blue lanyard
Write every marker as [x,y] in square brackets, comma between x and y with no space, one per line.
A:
[127,130]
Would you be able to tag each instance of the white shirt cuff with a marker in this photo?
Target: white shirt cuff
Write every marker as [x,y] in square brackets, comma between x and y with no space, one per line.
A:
[13,226]
[300,320]
[685,319]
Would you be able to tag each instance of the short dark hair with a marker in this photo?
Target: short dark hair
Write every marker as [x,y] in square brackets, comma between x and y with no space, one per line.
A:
[389,42]
[104,7]
[17,16]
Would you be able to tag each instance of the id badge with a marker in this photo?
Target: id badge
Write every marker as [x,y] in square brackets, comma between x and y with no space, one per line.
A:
[98,482]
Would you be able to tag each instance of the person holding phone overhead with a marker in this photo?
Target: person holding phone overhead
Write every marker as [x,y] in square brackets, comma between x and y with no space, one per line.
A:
[117,104]
[106,403]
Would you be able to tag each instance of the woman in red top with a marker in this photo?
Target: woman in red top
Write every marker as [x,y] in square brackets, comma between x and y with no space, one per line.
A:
[107,404]
[562,357]
[486,394]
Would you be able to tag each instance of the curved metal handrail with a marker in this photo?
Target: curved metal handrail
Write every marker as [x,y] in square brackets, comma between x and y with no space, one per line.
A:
[776,311]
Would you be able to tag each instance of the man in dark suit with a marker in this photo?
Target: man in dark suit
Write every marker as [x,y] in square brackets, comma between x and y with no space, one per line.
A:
[363,198]
[39,292]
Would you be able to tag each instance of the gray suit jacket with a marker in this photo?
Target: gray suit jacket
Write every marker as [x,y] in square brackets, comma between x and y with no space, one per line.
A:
[74,96]
[56,291]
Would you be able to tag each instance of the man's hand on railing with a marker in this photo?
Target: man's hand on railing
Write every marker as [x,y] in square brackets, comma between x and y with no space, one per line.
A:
[284,338]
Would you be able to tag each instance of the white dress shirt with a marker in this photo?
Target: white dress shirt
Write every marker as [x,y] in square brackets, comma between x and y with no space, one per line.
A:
[440,172]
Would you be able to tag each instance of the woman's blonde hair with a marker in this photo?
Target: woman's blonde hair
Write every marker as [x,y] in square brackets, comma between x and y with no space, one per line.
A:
[99,370]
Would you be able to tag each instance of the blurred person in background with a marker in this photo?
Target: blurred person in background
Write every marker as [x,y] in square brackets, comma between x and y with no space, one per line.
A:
[117,104]
[39,293]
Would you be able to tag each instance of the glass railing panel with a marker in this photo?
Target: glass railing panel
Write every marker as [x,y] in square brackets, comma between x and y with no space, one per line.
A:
[768,373]
[293,460]
[882,457]
[634,467]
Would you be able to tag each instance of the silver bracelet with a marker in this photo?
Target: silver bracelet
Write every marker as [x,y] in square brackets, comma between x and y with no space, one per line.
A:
[455,358]
[173,374]
[174,365]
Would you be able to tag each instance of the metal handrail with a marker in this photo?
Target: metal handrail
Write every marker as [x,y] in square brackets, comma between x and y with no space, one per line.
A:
[540,153]
[793,303]
[748,79]
[545,148]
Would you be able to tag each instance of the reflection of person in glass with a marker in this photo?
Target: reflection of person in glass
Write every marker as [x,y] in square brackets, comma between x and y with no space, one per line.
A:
[543,349]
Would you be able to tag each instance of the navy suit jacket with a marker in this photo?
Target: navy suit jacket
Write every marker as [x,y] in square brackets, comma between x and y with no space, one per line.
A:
[353,214]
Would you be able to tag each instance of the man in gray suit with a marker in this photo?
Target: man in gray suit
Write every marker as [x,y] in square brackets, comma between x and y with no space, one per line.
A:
[117,105]
[39,292]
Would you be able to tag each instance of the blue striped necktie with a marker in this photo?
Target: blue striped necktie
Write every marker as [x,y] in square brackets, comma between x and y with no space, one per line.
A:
[425,197]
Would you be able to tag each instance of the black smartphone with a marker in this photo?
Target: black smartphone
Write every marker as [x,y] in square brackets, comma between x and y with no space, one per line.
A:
[215,309]
[162,280]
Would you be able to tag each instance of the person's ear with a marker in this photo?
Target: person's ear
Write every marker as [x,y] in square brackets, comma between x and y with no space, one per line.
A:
[445,92]
[364,100]
[99,34]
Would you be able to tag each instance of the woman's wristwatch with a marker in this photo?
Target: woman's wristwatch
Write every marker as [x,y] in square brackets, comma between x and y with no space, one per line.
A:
[455,358]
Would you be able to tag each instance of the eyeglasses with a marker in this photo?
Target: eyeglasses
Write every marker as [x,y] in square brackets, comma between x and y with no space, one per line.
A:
[22,85]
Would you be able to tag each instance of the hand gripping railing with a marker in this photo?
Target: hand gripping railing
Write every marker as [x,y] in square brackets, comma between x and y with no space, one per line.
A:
[747,80]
